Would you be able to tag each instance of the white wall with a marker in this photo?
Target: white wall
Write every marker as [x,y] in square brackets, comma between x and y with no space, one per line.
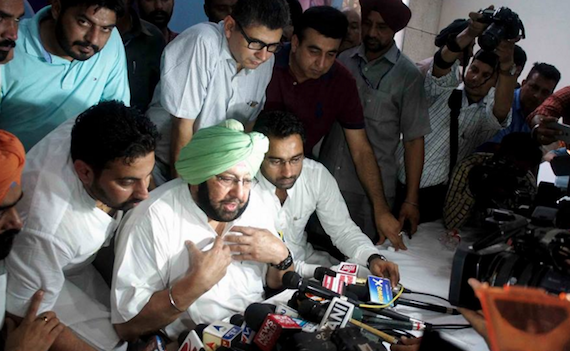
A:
[547,24]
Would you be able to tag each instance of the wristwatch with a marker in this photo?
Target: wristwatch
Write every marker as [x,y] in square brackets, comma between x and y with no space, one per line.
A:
[286,263]
[509,72]
[373,257]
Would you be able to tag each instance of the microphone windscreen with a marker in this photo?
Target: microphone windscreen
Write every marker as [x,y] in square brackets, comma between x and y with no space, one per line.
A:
[312,311]
[182,337]
[357,292]
[320,273]
[291,280]
[200,330]
[255,314]
[237,319]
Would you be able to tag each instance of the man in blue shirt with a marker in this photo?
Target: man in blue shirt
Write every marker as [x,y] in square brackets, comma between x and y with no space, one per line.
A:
[538,85]
[70,57]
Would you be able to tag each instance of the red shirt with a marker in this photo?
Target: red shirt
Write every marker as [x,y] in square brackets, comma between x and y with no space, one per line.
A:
[318,103]
[557,105]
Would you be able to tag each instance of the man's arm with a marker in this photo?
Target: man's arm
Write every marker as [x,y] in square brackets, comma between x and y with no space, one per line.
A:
[505,88]
[181,134]
[206,269]
[463,39]
[371,180]
[558,104]
[260,245]
[414,162]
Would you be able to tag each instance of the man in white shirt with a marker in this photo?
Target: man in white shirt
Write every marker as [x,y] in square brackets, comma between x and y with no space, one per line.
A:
[213,72]
[201,248]
[294,188]
[77,183]
[36,333]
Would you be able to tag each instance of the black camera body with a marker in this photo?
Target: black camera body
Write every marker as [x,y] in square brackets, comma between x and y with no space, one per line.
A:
[517,252]
[504,24]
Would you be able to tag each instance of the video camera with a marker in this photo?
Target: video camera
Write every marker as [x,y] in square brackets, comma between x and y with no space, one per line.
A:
[518,251]
[504,24]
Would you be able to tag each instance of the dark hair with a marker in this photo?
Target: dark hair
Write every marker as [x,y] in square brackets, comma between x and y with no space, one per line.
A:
[279,124]
[117,6]
[487,57]
[452,29]
[296,11]
[109,131]
[547,71]
[326,20]
[273,14]
[519,56]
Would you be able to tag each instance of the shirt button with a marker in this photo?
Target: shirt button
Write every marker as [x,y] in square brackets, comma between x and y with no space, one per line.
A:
[365,69]
[368,100]
[338,168]
[294,83]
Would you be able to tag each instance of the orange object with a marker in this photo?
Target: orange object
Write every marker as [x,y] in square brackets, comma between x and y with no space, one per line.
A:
[521,318]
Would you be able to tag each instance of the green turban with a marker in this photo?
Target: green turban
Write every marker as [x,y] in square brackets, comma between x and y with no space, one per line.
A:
[216,149]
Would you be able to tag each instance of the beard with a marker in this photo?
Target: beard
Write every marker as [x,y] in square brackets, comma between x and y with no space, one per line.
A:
[67,46]
[217,213]
[6,43]
[6,241]
[375,45]
[158,17]
[97,192]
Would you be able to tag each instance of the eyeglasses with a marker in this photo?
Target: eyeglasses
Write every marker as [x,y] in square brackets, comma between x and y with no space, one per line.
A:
[255,44]
[229,182]
[293,161]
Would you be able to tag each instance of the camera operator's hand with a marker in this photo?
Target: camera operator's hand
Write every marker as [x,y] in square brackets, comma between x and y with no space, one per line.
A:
[407,344]
[541,130]
[476,27]
[476,318]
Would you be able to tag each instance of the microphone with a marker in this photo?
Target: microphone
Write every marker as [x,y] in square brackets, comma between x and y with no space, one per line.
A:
[254,316]
[293,280]
[190,341]
[274,327]
[385,323]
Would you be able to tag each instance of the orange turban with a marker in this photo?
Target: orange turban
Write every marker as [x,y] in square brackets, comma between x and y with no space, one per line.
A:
[12,158]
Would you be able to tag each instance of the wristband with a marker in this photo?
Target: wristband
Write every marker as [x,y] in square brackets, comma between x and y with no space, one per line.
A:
[440,62]
[373,257]
[286,263]
[172,303]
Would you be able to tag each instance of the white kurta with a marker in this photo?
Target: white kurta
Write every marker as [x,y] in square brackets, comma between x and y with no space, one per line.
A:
[151,256]
[315,190]
[63,231]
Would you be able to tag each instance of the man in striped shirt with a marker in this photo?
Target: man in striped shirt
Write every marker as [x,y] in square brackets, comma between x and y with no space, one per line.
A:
[486,99]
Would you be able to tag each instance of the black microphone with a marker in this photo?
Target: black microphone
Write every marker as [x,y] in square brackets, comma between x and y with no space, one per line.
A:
[292,280]
[320,273]
[255,314]
[312,311]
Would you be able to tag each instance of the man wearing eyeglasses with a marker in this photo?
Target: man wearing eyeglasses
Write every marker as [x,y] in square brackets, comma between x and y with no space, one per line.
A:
[294,188]
[309,82]
[213,72]
[203,247]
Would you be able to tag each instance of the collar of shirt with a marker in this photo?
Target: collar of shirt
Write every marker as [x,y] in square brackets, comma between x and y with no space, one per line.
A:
[390,56]
[202,217]
[282,63]
[32,40]
[226,54]
[267,185]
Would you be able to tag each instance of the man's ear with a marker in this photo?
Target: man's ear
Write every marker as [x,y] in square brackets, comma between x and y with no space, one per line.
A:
[84,172]
[55,9]
[294,43]
[229,26]
[523,82]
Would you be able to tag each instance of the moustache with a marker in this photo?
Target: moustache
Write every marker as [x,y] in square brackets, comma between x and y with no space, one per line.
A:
[85,44]
[8,43]
[6,241]
[159,13]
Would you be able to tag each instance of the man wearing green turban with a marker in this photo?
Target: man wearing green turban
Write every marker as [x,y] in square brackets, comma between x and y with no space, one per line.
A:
[202,247]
